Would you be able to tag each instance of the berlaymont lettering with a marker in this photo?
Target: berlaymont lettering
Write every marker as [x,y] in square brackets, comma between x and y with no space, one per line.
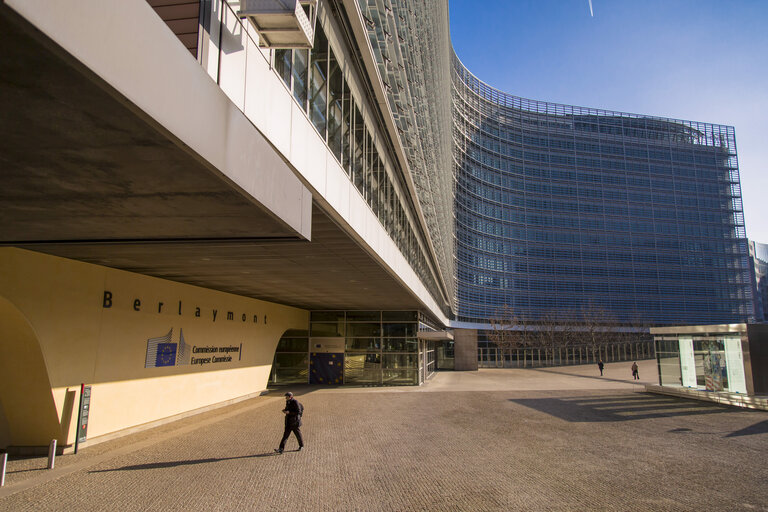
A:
[164,351]
[212,313]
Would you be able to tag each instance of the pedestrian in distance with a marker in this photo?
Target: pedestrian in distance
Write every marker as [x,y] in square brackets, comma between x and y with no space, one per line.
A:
[601,366]
[293,411]
[635,373]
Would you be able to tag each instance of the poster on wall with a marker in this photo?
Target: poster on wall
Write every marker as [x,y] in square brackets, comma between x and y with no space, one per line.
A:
[734,361]
[687,362]
[714,370]
[163,351]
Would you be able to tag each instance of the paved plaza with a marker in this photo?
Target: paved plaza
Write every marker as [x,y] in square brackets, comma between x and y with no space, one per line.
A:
[544,439]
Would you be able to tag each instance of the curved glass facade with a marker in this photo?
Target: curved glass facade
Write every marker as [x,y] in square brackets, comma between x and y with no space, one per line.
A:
[558,208]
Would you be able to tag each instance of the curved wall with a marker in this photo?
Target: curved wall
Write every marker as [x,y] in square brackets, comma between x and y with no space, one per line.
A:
[561,209]
[151,349]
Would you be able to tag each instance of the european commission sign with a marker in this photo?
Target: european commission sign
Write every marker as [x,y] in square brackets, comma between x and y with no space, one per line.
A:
[163,351]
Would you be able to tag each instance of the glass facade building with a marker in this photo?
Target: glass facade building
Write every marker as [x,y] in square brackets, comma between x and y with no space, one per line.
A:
[558,208]
[728,358]
[539,208]
[364,348]
[347,124]
[759,254]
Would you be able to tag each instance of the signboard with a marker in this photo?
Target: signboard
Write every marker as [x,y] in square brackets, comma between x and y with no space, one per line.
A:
[82,416]
[687,362]
[734,362]
[327,345]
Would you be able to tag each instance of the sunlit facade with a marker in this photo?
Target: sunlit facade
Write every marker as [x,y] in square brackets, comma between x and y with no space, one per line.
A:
[200,205]
[561,208]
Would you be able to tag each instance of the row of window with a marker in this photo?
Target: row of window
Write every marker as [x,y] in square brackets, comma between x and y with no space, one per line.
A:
[553,240]
[650,209]
[316,80]
[509,137]
[627,286]
[703,308]
[364,329]
[494,170]
[513,223]
[563,182]
[475,301]
[670,266]
[568,152]
[589,169]
[487,101]
[563,198]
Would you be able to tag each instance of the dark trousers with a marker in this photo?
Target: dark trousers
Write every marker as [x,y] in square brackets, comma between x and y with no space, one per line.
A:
[286,434]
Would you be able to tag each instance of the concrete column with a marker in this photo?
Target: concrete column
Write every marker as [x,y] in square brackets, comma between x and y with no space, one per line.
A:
[465,349]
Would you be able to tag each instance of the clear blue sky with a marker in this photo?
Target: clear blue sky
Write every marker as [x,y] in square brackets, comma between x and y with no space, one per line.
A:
[702,60]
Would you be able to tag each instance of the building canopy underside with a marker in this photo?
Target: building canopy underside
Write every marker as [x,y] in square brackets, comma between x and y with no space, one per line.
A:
[89,177]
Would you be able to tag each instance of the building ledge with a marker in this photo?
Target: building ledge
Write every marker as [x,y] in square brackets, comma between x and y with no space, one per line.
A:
[721,397]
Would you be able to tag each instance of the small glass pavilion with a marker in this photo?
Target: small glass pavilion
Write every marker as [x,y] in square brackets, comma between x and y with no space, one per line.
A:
[729,358]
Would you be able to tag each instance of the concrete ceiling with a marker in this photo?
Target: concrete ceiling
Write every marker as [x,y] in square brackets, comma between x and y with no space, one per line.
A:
[85,176]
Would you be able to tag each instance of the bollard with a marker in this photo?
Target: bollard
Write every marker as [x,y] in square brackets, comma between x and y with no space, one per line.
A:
[3,463]
[52,454]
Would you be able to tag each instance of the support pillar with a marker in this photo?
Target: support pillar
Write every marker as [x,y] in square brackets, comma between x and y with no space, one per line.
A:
[465,349]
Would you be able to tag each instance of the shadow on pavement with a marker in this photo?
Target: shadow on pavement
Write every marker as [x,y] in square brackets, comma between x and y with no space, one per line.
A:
[628,380]
[175,463]
[757,428]
[42,468]
[617,408]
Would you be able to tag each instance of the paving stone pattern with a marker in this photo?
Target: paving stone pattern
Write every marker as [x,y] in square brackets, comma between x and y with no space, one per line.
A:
[556,439]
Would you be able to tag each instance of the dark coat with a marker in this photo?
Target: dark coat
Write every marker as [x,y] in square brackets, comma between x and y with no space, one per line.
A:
[294,411]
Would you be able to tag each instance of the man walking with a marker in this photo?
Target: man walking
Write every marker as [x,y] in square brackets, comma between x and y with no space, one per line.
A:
[293,411]
[601,366]
[635,372]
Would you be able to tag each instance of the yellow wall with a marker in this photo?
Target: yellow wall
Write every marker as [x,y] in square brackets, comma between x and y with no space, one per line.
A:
[5,434]
[82,340]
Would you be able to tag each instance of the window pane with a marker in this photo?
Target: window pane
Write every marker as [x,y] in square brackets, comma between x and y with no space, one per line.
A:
[334,105]
[363,316]
[300,58]
[399,377]
[400,330]
[370,330]
[332,330]
[401,345]
[392,361]
[283,65]
[318,94]
[346,135]
[326,316]
[363,344]
[290,369]
[368,169]
[293,345]
[357,160]
[399,316]
[362,369]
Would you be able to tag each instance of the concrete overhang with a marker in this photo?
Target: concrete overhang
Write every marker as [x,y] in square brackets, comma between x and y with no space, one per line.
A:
[435,335]
[700,329]
[82,162]
[166,178]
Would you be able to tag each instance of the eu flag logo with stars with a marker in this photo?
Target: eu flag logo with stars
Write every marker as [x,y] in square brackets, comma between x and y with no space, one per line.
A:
[166,354]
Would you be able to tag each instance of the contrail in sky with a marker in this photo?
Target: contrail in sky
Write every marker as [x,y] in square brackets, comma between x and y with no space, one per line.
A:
[590,9]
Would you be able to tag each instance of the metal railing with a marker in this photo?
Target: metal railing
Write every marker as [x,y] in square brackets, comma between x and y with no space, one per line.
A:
[491,357]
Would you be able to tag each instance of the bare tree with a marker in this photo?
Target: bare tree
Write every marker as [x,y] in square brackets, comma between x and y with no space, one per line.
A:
[598,327]
[549,334]
[509,331]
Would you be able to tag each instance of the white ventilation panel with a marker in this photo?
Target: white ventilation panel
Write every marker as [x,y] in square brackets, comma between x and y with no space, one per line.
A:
[282,23]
